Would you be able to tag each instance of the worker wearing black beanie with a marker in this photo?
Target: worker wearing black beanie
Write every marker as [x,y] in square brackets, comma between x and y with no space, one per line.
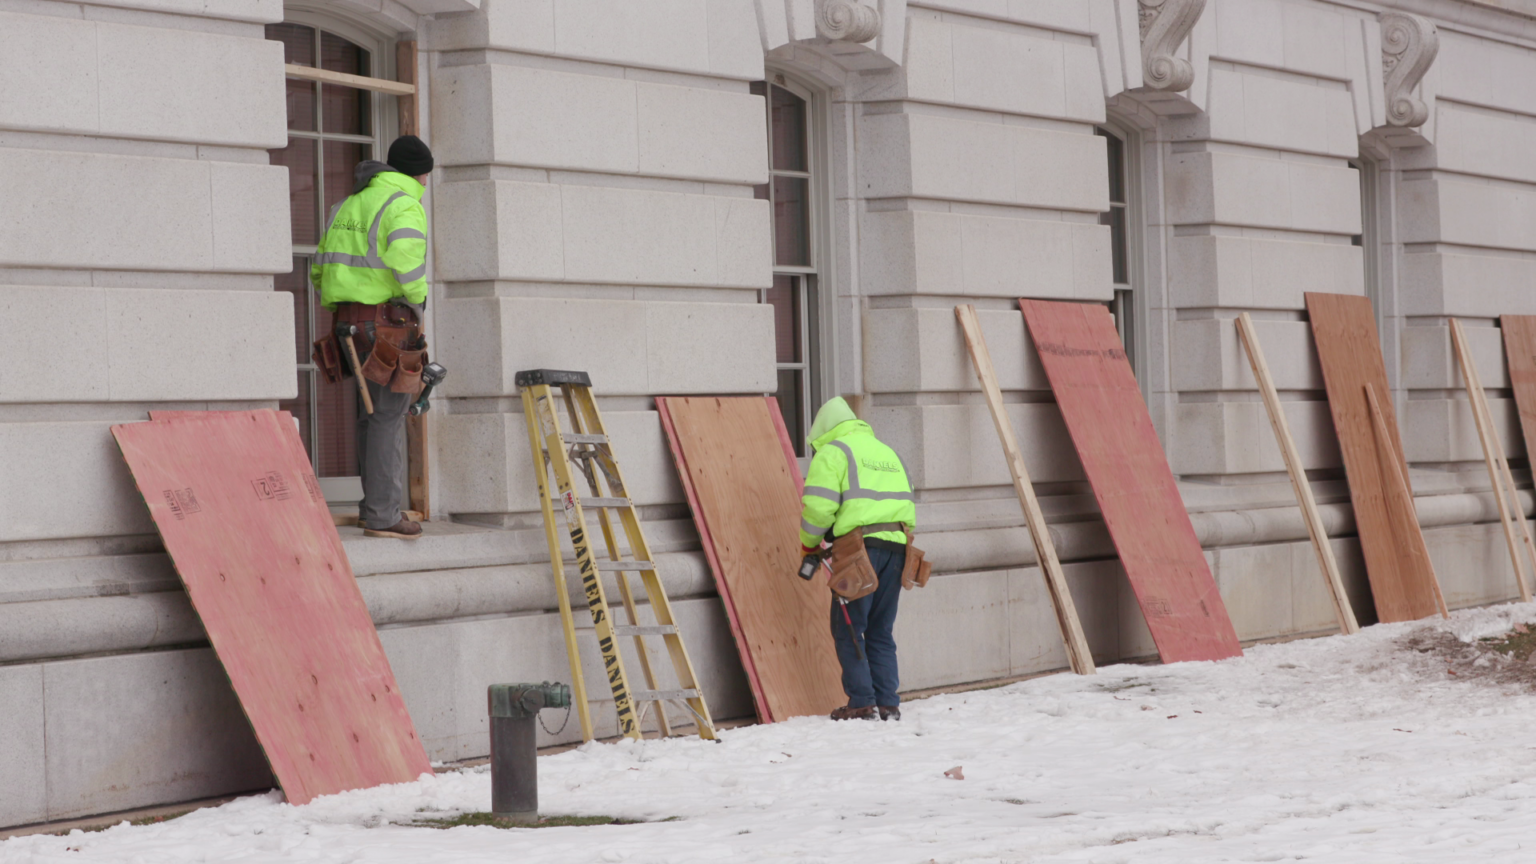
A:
[410,156]
[371,272]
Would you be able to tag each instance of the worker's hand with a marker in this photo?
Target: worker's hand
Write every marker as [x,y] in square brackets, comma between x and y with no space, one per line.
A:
[810,550]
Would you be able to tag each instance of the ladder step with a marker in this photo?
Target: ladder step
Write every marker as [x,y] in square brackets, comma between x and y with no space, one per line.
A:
[593,501]
[644,629]
[583,438]
[626,566]
[662,695]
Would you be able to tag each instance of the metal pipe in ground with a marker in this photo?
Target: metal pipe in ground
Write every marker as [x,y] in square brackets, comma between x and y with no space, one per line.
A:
[514,752]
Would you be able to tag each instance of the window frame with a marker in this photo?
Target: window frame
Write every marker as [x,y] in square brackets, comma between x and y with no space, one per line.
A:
[813,282]
[383,116]
[1130,303]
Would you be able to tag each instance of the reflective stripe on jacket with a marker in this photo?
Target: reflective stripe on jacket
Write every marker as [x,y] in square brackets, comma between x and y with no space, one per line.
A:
[854,480]
[375,246]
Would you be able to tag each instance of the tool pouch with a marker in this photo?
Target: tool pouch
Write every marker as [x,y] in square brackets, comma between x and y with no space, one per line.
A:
[914,573]
[385,356]
[853,575]
[327,358]
[407,378]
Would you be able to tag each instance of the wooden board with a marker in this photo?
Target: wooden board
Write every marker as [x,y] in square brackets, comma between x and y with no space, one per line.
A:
[418,486]
[1343,611]
[1396,559]
[742,483]
[1079,656]
[247,529]
[1125,465]
[1520,352]
[1517,535]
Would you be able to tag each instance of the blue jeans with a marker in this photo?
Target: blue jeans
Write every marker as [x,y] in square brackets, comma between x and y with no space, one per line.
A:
[872,680]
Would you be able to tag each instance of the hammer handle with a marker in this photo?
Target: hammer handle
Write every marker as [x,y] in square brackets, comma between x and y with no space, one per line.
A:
[357,370]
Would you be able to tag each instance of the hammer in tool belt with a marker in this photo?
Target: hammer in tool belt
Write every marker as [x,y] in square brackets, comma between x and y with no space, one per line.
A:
[346,332]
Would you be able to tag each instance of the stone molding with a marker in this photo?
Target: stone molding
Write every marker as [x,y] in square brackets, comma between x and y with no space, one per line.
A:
[1164,26]
[1409,44]
[840,36]
[847,21]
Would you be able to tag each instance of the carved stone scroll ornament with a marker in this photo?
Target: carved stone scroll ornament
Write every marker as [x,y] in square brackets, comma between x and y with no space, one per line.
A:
[1164,26]
[847,20]
[1409,44]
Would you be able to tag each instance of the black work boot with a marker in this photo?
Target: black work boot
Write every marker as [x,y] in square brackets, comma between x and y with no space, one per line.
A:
[850,713]
[890,712]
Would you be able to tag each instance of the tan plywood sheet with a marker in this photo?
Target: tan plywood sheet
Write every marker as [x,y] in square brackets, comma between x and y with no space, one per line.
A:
[1396,558]
[745,494]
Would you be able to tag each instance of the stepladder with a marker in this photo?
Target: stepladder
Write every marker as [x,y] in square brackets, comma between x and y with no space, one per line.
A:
[568,440]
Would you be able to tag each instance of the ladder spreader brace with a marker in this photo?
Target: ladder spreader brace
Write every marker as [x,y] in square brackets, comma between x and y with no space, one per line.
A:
[588,445]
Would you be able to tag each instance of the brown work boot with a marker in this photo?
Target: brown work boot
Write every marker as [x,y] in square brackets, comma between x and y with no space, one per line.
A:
[848,712]
[405,529]
[890,712]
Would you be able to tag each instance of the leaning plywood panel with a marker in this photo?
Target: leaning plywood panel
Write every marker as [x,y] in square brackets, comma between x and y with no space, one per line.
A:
[1396,558]
[1520,351]
[1125,465]
[247,529]
[745,494]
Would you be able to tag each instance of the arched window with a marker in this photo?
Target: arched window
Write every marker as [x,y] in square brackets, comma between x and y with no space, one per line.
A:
[795,182]
[331,128]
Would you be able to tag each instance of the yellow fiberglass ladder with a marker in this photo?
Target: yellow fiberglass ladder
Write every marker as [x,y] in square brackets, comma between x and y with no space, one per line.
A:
[586,443]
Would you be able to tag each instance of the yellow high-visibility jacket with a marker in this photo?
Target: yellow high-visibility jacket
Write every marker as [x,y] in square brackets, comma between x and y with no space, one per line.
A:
[375,246]
[854,480]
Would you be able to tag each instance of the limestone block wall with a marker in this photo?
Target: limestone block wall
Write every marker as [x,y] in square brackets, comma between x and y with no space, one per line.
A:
[981,184]
[137,252]
[1260,205]
[597,213]
[142,229]
[1467,236]
[594,209]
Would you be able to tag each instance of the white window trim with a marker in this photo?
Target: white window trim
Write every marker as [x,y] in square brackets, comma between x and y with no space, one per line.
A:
[1135,250]
[819,333]
[384,114]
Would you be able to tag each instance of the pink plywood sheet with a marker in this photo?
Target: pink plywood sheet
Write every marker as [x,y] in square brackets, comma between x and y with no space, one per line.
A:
[246,526]
[1135,489]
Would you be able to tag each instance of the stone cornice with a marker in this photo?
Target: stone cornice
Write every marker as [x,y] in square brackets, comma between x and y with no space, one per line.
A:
[1164,26]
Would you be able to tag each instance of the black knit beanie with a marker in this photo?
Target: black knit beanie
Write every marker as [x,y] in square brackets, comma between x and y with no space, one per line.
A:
[409,155]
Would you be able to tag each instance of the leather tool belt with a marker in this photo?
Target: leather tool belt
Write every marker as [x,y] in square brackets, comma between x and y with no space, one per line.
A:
[914,572]
[389,334]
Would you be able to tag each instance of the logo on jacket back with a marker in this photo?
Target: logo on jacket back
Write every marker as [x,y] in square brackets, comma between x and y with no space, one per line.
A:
[349,225]
[882,465]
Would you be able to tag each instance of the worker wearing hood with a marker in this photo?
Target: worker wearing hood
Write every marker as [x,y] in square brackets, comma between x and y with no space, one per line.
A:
[856,481]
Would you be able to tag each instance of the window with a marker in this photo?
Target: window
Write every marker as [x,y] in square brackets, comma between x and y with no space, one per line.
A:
[792,183]
[1367,240]
[330,129]
[1117,217]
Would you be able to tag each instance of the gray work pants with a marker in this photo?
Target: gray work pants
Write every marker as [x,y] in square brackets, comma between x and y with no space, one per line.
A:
[381,455]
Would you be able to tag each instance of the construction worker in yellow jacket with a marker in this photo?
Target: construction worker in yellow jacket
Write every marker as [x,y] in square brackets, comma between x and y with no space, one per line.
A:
[371,269]
[856,481]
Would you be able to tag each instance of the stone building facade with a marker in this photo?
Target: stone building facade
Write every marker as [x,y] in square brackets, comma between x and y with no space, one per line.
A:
[727,197]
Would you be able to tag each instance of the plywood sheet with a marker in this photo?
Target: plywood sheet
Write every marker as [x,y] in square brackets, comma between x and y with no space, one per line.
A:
[1520,351]
[1125,465]
[744,488]
[1396,559]
[247,529]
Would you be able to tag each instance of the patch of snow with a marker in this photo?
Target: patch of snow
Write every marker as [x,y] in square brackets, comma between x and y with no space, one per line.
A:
[1342,749]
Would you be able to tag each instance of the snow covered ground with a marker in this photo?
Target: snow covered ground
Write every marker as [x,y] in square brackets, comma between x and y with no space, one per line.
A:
[1344,749]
